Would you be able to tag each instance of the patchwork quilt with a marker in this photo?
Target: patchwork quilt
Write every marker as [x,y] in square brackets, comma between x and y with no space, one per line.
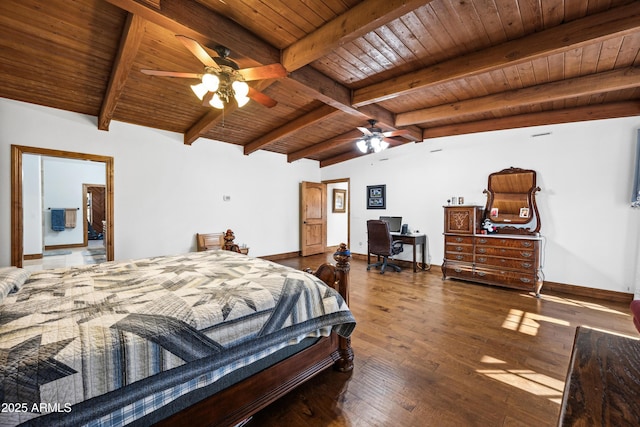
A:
[106,344]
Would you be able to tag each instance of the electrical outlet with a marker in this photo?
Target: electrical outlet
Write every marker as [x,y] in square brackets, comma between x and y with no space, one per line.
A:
[226,198]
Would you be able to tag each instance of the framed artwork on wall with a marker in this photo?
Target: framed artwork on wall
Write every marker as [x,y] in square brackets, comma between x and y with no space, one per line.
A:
[339,200]
[376,196]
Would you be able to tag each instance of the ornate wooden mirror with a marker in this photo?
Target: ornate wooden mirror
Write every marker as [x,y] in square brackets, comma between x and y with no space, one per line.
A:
[511,202]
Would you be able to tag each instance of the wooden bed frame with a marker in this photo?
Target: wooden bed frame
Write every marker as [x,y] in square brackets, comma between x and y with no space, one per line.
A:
[238,402]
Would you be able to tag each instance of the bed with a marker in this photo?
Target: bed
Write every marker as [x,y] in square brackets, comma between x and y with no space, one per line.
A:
[209,337]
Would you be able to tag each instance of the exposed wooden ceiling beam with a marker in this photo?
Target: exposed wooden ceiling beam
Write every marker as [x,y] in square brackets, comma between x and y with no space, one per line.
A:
[322,113]
[351,154]
[569,115]
[129,44]
[589,30]
[357,21]
[330,144]
[192,19]
[588,85]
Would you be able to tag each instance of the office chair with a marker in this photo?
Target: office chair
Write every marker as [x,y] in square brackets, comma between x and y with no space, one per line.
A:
[381,244]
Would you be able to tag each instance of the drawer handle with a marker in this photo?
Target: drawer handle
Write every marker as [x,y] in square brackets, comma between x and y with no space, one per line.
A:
[459,257]
[525,280]
[527,244]
[481,273]
[483,240]
[482,259]
[526,254]
[459,248]
[458,270]
[459,239]
[482,250]
[527,265]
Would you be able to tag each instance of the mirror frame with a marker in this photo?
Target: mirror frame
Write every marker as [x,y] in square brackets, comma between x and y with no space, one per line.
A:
[17,226]
[533,207]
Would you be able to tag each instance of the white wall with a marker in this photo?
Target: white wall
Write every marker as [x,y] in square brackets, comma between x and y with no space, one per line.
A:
[165,191]
[585,171]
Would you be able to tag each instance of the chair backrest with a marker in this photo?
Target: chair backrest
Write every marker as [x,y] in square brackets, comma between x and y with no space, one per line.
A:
[208,241]
[379,237]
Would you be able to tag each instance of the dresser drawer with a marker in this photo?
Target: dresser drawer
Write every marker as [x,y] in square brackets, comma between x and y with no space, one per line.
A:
[513,279]
[457,240]
[506,252]
[459,256]
[458,248]
[459,270]
[507,243]
[526,265]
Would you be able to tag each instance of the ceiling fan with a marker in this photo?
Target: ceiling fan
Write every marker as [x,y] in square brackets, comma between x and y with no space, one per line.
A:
[374,139]
[223,80]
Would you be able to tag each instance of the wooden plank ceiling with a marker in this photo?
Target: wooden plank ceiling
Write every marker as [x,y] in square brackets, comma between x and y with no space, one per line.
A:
[434,68]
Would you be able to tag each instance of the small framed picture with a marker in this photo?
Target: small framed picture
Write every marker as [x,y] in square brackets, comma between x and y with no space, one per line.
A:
[494,212]
[524,212]
[376,195]
[339,200]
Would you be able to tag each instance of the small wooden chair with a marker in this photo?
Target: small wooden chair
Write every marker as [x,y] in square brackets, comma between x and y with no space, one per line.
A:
[209,241]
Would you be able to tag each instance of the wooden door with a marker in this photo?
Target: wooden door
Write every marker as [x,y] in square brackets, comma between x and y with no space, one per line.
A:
[313,218]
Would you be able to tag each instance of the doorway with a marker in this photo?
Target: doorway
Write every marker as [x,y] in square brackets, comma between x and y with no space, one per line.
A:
[17,196]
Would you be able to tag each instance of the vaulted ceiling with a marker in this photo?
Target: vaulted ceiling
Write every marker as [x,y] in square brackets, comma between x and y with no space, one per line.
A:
[433,68]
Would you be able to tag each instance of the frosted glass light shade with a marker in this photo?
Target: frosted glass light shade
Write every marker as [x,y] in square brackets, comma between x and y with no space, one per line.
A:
[200,90]
[216,102]
[242,100]
[240,88]
[362,146]
[211,82]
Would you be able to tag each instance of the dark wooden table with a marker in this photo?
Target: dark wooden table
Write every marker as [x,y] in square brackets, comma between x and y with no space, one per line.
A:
[603,381]
[414,240]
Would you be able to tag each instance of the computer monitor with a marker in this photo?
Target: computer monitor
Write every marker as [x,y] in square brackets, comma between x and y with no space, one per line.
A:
[395,223]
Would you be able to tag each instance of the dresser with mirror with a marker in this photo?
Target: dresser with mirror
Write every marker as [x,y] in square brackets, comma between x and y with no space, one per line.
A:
[500,243]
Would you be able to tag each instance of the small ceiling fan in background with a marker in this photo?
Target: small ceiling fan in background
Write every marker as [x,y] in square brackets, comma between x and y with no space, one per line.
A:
[223,80]
[374,139]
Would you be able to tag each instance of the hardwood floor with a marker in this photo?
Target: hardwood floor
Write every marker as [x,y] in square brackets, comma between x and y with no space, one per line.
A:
[446,353]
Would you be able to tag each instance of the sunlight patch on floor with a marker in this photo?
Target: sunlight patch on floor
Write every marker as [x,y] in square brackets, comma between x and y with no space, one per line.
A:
[528,323]
[529,381]
[525,379]
[578,303]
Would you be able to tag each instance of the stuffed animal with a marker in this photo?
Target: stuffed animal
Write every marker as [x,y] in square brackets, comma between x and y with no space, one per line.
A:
[488,225]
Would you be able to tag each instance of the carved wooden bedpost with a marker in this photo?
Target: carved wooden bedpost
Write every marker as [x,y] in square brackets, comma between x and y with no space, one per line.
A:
[342,256]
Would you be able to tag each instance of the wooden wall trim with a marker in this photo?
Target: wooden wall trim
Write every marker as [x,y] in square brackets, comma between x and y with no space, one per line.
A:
[17,246]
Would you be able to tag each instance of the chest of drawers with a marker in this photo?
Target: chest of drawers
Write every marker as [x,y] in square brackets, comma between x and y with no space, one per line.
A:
[497,259]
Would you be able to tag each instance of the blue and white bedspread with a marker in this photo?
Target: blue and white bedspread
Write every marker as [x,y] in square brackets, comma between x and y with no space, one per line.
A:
[106,344]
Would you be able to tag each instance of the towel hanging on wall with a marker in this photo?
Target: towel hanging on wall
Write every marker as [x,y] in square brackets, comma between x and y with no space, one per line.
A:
[70,216]
[57,219]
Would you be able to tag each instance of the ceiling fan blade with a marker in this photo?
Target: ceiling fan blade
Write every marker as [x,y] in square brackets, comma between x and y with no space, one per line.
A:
[272,71]
[198,51]
[172,74]
[261,98]
[365,131]
[395,133]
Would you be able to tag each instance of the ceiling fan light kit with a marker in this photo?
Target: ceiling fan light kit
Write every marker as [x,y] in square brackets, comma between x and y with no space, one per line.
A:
[223,81]
[373,139]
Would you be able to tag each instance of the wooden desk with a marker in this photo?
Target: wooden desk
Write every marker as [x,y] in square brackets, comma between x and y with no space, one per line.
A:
[603,381]
[414,240]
